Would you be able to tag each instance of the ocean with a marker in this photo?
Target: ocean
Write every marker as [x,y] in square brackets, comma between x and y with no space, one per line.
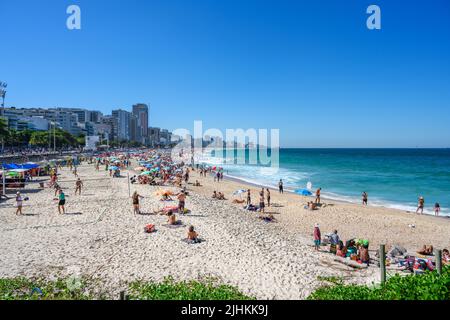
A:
[393,178]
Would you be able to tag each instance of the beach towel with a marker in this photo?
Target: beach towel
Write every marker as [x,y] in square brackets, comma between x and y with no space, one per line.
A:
[188,241]
[173,226]
[149,228]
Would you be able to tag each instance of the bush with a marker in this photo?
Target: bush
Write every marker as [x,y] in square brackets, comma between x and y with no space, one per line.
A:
[191,290]
[428,286]
[26,289]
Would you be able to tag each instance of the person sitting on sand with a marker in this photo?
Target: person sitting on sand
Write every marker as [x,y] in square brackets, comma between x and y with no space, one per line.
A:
[172,220]
[197,183]
[220,196]
[269,218]
[341,250]
[351,248]
[364,254]
[334,240]
[214,195]
[445,256]
[192,235]
[426,250]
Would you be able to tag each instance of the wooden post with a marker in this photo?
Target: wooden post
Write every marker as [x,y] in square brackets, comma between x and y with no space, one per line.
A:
[122,295]
[382,263]
[438,255]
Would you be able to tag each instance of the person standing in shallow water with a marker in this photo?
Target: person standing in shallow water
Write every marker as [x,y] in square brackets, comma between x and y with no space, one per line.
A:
[364,198]
[420,205]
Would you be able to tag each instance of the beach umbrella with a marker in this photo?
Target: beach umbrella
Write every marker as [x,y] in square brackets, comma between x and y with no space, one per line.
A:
[240,191]
[113,168]
[12,173]
[303,192]
[145,173]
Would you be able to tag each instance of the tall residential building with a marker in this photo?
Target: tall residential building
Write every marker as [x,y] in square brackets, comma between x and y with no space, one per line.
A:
[110,127]
[123,123]
[140,111]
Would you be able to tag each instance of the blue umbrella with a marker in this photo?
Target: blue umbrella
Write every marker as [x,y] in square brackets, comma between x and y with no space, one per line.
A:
[303,192]
[113,168]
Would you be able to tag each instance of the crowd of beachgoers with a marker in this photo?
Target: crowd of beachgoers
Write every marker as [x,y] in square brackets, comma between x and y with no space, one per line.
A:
[279,234]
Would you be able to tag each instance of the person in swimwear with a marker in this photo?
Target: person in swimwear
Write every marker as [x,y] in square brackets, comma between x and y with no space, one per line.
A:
[136,208]
[437,209]
[249,198]
[268,197]
[261,201]
[172,220]
[420,205]
[192,235]
[61,202]
[364,198]
[318,195]
[19,201]
[78,185]
[181,202]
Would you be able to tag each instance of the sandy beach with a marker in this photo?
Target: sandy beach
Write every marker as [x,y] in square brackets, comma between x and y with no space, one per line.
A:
[99,237]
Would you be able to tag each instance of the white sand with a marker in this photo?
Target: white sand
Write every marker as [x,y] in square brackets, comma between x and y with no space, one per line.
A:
[101,238]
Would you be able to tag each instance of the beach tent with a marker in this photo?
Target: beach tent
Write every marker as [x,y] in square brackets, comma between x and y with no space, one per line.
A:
[303,192]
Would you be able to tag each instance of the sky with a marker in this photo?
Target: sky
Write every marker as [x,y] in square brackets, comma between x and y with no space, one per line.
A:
[311,69]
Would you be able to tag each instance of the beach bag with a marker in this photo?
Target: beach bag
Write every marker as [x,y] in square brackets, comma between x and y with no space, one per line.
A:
[149,228]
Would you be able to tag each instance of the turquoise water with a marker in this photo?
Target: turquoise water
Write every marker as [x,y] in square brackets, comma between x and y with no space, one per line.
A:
[392,177]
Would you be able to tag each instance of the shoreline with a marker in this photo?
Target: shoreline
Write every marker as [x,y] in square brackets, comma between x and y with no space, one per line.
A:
[341,201]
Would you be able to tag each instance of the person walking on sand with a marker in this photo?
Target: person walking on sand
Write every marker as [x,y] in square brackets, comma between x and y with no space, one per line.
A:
[78,185]
[318,195]
[317,237]
[136,209]
[364,198]
[61,202]
[280,186]
[437,209]
[181,202]
[249,198]
[268,197]
[19,202]
[420,205]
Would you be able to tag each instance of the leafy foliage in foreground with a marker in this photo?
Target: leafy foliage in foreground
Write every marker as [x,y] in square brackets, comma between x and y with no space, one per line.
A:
[26,289]
[190,290]
[428,286]
[64,289]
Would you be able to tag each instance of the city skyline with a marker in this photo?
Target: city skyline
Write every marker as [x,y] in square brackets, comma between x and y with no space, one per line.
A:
[222,63]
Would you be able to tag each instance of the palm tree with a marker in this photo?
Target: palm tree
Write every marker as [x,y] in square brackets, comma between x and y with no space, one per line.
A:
[4,132]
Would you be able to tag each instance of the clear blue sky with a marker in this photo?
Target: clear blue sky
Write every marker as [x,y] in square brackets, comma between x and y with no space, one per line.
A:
[310,68]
